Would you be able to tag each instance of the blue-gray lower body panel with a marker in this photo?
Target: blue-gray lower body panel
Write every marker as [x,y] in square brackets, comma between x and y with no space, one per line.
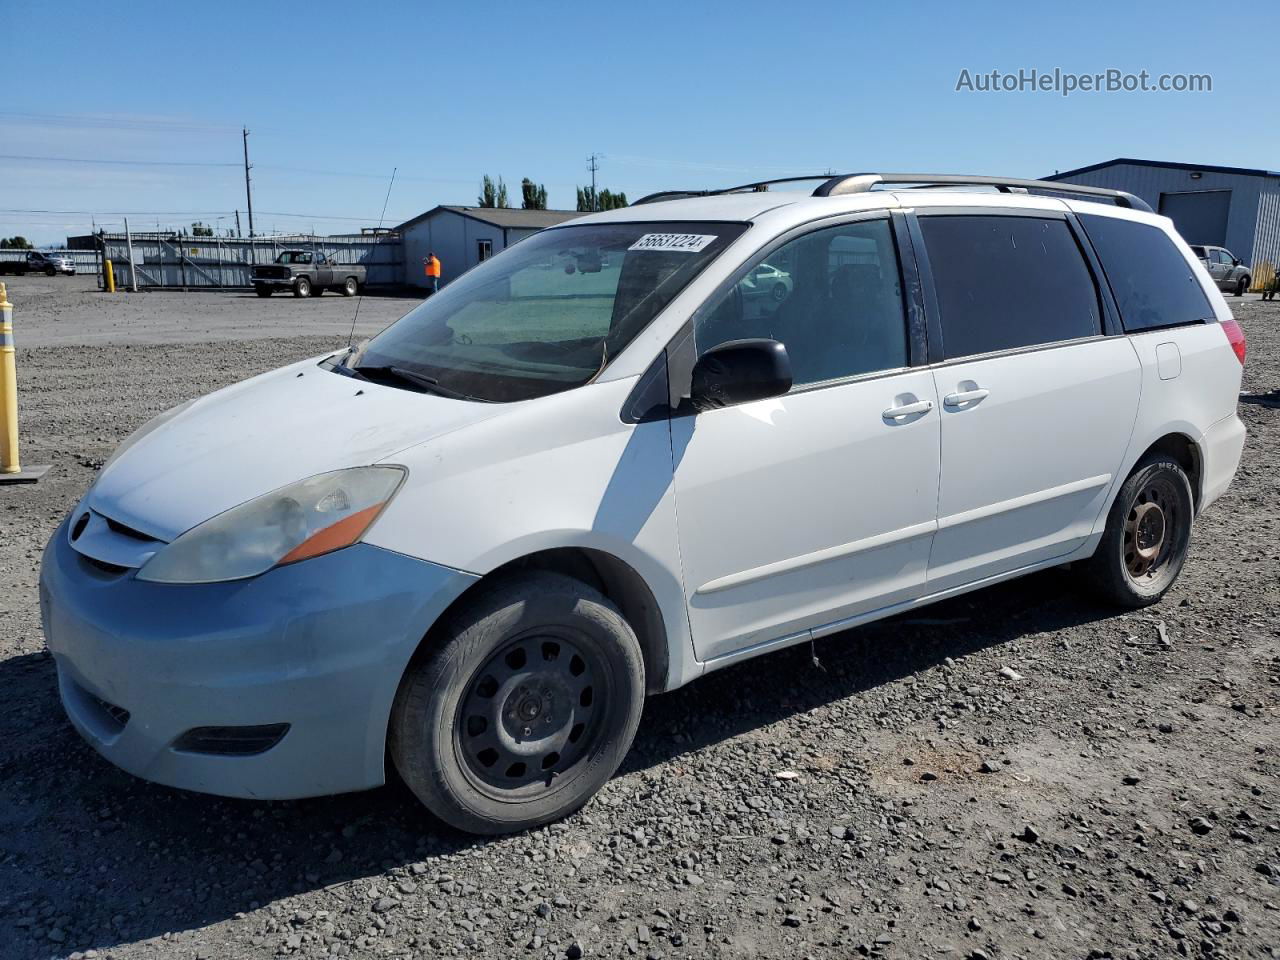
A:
[319,645]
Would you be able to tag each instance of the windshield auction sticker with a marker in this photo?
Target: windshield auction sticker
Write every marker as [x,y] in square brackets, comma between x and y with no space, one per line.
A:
[678,242]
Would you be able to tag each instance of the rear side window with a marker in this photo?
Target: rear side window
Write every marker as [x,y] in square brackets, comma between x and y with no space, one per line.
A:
[1008,282]
[1153,283]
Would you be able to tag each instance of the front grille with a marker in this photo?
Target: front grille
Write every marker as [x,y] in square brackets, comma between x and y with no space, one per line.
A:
[111,569]
[232,741]
[117,527]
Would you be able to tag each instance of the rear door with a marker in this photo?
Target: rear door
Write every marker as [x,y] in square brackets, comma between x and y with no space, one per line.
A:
[1038,402]
[818,505]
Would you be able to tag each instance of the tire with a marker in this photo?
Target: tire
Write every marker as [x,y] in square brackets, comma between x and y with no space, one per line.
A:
[50,271]
[262,290]
[302,287]
[506,662]
[1147,535]
[350,287]
[1241,286]
[779,292]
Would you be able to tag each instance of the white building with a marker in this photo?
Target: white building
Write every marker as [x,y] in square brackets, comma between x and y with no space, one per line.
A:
[463,236]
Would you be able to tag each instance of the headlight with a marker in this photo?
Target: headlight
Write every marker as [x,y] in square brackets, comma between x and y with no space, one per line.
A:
[142,431]
[305,519]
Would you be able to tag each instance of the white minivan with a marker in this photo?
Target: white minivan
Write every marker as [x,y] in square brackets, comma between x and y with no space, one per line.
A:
[597,466]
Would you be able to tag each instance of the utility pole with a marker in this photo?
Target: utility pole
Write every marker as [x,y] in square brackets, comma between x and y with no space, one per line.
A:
[248,197]
[238,233]
[593,165]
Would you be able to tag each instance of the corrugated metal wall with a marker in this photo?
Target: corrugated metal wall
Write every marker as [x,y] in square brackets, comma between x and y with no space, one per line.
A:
[169,260]
[1244,222]
[1266,244]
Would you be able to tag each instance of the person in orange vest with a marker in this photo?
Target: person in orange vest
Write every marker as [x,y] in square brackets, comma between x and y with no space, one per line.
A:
[432,267]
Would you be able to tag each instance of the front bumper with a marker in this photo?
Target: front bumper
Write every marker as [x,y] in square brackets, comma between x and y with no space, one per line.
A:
[272,281]
[319,645]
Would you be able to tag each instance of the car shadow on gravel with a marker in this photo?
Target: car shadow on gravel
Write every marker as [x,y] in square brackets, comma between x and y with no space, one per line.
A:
[91,857]
[760,692]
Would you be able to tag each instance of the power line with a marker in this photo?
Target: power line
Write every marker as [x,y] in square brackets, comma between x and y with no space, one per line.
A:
[119,163]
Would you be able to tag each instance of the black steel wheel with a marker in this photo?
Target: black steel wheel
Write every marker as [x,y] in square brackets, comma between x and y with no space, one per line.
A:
[531,713]
[1241,286]
[780,292]
[262,290]
[1147,536]
[520,706]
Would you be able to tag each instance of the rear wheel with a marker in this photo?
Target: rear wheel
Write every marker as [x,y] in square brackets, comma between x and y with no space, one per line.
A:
[1148,532]
[524,709]
[302,287]
[1241,286]
[350,287]
[779,292]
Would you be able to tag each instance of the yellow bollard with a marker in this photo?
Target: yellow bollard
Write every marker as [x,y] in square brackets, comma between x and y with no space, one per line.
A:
[110,274]
[10,469]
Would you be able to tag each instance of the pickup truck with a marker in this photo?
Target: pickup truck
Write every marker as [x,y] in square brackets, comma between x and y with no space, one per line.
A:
[37,262]
[308,274]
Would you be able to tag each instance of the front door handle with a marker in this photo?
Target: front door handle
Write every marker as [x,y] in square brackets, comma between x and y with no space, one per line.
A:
[964,396]
[908,410]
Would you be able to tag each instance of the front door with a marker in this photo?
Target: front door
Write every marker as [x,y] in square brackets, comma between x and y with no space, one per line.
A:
[324,271]
[818,505]
[1037,404]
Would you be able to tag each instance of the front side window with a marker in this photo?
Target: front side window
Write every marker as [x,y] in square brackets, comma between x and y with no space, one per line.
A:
[1008,282]
[1153,283]
[832,297]
[546,314]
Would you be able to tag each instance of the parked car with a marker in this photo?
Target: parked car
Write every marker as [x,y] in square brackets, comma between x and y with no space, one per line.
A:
[1225,268]
[768,281]
[474,543]
[50,264]
[308,274]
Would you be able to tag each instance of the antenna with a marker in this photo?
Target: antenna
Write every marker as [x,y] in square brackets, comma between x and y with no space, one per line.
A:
[381,217]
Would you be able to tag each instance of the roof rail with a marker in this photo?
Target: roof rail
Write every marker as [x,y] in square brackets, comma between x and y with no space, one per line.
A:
[757,186]
[863,182]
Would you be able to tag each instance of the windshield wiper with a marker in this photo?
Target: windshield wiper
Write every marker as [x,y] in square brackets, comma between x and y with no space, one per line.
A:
[424,383]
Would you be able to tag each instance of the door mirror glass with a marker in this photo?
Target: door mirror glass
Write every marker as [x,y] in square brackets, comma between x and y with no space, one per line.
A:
[739,371]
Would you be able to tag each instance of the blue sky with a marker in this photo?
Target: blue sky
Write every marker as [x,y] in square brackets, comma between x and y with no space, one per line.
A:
[691,94]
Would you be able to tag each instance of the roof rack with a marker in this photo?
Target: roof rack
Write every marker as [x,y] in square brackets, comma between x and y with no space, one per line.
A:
[865,182]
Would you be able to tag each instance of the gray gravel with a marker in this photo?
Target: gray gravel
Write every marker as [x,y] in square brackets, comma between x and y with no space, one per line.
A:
[1016,773]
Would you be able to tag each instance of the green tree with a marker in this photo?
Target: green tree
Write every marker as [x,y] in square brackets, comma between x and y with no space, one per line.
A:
[534,195]
[199,229]
[493,194]
[18,242]
[606,199]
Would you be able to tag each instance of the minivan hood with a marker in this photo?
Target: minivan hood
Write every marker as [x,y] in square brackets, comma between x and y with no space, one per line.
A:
[261,434]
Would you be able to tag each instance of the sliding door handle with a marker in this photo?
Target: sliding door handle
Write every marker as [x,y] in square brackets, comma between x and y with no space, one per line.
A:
[908,410]
[963,397]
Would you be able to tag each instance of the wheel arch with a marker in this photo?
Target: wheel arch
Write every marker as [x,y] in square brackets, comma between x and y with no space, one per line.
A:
[1186,451]
[613,577]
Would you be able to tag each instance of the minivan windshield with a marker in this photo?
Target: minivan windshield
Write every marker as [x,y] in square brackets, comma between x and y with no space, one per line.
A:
[546,314]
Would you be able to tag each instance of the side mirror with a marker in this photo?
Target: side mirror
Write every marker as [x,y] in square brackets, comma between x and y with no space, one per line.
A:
[740,371]
[1235,261]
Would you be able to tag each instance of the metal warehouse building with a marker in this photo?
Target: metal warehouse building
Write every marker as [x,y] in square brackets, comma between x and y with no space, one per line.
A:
[463,236]
[1230,207]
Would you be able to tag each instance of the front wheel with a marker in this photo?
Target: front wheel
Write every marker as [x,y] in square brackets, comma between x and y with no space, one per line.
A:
[1148,532]
[523,708]
[302,287]
[262,290]
[50,271]
[1241,286]
[350,287]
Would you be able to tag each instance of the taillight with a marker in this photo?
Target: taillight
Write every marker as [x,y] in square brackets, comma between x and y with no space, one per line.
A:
[1235,336]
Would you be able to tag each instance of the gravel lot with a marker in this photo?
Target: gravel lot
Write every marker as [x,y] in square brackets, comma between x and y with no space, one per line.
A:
[1016,773]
